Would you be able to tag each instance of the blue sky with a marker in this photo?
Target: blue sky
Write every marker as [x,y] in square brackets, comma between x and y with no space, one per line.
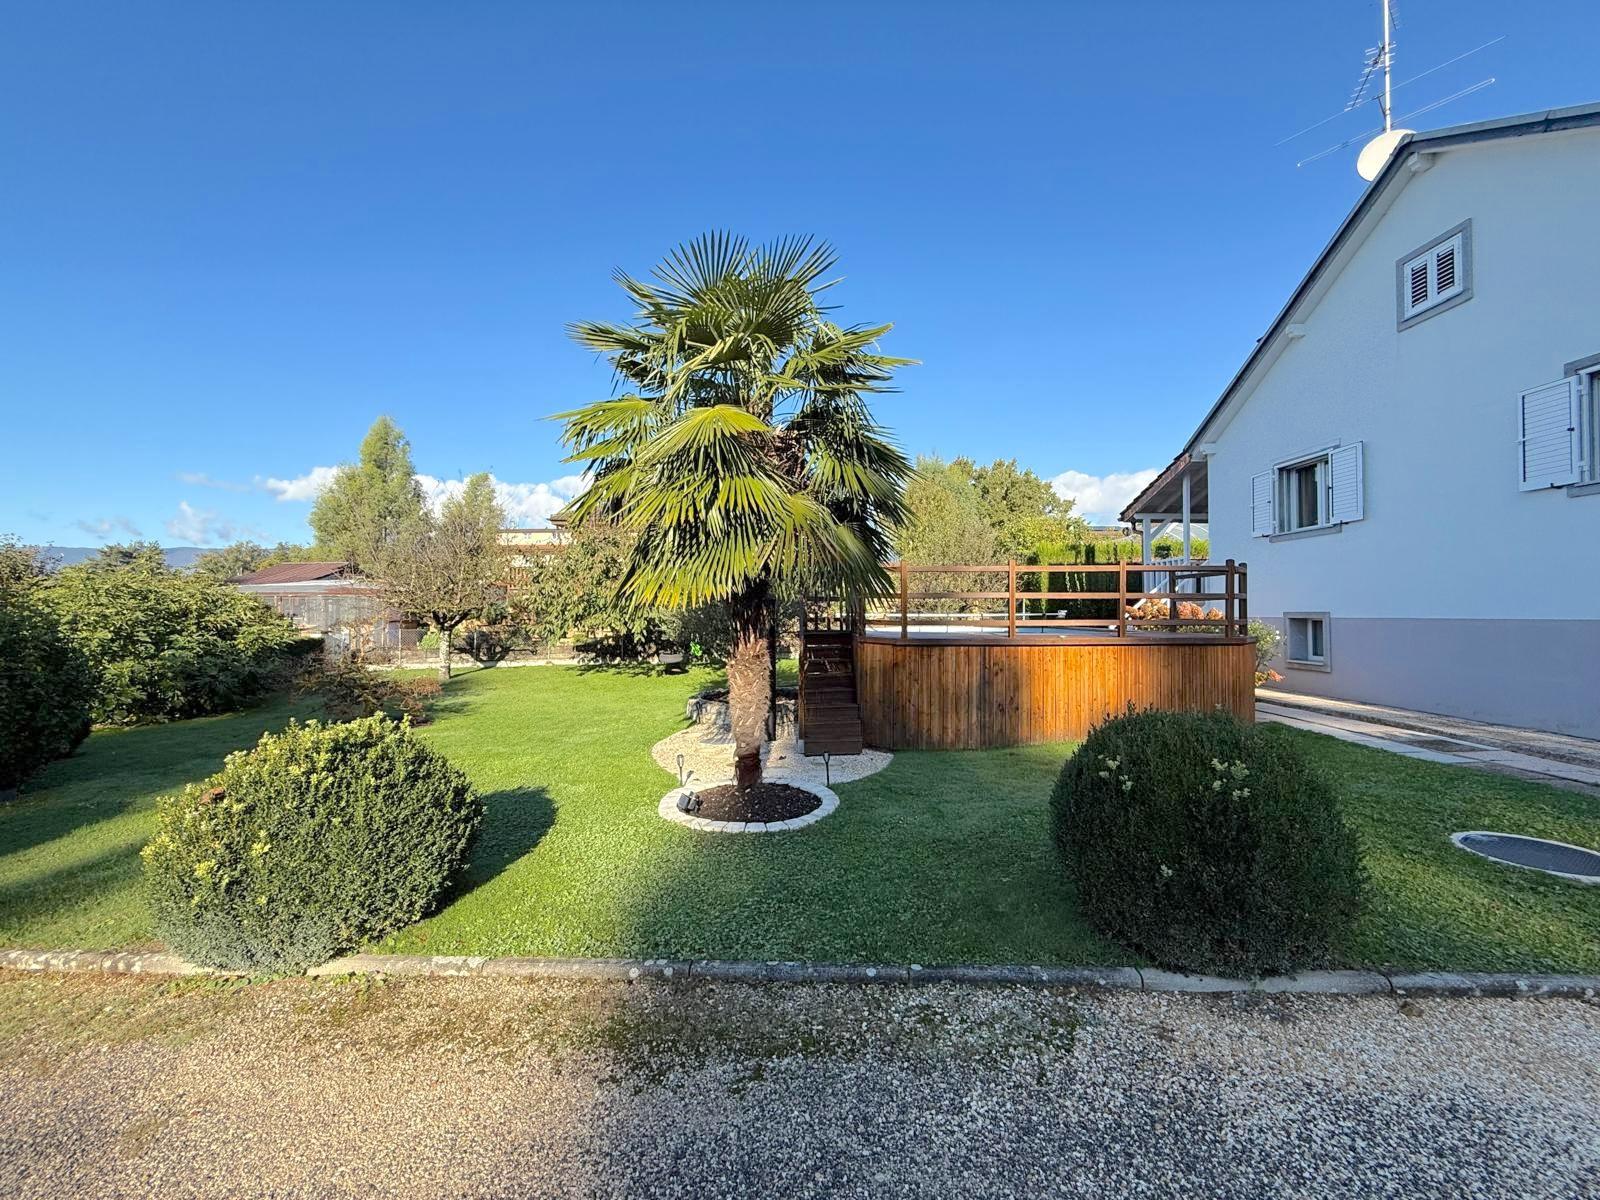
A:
[231,235]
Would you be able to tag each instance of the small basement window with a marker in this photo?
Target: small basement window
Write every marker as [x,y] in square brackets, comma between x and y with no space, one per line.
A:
[1436,276]
[1308,640]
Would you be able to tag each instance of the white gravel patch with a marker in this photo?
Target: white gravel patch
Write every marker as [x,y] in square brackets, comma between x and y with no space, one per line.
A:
[708,759]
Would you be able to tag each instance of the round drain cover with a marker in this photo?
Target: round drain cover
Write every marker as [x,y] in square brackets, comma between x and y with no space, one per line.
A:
[1537,854]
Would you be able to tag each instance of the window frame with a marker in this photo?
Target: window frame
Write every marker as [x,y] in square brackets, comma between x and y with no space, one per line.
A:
[1325,663]
[1407,314]
[1285,496]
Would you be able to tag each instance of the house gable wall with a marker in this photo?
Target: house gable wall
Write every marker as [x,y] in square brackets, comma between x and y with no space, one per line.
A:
[1447,532]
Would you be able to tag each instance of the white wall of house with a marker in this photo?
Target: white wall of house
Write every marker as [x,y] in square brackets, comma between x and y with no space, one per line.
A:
[1450,554]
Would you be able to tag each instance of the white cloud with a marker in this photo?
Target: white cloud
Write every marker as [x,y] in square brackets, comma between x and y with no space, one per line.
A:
[1099,498]
[526,505]
[201,479]
[202,527]
[301,487]
[105,527]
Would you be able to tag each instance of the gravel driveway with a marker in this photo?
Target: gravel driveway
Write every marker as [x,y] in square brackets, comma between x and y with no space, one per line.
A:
[480,1087]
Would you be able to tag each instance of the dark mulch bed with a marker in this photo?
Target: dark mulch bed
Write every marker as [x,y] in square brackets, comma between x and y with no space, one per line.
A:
[763,802]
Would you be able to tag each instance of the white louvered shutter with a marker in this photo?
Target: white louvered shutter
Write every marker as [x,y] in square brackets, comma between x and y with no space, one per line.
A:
[1261,504]
[1416,285]
[1549,434]
[1348,483]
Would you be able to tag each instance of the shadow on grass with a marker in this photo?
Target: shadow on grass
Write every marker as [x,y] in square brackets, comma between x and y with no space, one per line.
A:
[515,820]
[118,769]
[80,885]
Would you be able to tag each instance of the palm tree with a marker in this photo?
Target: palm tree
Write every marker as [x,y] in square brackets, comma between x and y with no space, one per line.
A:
[740,451]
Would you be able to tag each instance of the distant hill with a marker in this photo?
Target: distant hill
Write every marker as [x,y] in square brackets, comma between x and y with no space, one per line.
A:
[177,556]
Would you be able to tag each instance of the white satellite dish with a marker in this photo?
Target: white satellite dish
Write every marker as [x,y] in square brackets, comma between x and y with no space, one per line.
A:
[1375,155]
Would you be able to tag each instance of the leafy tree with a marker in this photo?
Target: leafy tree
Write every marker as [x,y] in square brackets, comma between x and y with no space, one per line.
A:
[451,568]
[167,644]
[578,591]
[290,552]
[1022,509]
[961,512]
[128,556]
[230,561]
[47,686]
[373,506]
[21,566]
[742,456]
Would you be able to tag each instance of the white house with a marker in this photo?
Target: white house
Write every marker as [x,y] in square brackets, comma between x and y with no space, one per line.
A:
[1409,460]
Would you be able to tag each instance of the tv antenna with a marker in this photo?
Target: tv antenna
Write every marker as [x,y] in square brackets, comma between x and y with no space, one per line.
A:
[1379,65]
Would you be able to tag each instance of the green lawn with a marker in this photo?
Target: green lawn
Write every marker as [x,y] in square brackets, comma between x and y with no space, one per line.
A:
[941,858]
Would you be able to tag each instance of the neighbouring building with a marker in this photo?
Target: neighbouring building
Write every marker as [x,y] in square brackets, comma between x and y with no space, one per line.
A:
[522,545]
[331,598]
[1409,459]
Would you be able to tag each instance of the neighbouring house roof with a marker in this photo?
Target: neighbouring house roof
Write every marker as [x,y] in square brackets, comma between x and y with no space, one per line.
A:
[1554,120]
[305,572]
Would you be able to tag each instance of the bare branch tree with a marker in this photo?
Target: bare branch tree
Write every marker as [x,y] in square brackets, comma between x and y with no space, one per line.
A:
[450,570]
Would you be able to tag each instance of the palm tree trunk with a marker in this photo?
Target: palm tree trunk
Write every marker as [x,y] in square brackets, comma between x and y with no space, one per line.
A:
[749,685]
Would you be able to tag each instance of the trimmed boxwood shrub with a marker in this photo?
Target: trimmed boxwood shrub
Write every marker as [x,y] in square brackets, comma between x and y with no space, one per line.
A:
[319,839]
[1207,844]
[47,688]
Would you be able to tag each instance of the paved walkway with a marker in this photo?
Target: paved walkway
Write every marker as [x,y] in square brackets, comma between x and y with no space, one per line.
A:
[1554,758]
[465,1088]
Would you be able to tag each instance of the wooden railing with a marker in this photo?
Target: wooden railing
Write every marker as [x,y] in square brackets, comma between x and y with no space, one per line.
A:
[1224,613]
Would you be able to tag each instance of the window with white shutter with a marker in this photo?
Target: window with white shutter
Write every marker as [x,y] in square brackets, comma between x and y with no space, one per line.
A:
[1547,442]
[1318,491]
[1435,276]
[1261,505]
[1346,483]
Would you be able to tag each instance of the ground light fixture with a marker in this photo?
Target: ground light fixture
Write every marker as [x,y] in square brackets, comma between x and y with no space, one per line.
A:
[1561,859]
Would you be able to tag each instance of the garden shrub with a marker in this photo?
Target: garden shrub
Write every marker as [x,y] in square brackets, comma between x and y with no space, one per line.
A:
[349,688]
[167,645]
[319,839]
[47,688]
[1206,844]
[1268,639]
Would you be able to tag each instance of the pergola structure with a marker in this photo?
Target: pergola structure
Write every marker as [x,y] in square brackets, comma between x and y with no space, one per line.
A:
[1177,494]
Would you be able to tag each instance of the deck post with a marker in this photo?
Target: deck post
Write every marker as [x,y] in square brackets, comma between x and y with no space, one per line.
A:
[1011,602]
[905,601]
[1229,583]
[1244,600]
[1122,597]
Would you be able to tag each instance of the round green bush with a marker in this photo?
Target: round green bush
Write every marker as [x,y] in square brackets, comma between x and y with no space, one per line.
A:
[1207,844]
[47,689]
[319,839]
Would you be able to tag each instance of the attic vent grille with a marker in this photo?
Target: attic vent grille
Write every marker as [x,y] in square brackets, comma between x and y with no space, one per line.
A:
[1436,277]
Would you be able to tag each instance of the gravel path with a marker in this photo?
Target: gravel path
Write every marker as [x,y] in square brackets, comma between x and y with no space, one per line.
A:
[121,1087]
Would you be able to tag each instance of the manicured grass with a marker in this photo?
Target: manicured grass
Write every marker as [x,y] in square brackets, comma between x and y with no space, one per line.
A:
[1433,905]
[69,846]
[944,857]
[941,858]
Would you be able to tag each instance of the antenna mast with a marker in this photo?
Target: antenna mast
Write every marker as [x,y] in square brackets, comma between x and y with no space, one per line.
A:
[1388,59]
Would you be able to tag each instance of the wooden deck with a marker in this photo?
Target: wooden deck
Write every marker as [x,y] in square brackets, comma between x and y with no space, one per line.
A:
[934,671]
[977,692]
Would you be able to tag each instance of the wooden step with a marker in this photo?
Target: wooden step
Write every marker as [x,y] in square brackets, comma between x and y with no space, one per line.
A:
[830,713]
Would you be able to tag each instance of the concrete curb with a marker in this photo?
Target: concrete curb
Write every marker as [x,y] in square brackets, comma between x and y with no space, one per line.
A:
[628,970]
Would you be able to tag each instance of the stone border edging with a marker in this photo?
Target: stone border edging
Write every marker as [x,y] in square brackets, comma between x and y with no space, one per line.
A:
[1136,979]
[668,808]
